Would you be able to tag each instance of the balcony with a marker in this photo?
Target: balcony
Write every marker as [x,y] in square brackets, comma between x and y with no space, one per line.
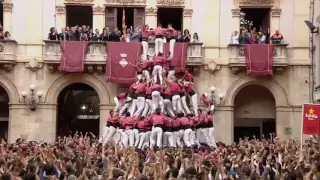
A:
[8,54]
[237,60]
[96,56]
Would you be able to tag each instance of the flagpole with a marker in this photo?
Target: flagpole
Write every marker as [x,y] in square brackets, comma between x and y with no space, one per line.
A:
[301,138]
[124,30]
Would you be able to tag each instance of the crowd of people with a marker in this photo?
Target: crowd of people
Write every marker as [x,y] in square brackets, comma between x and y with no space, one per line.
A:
[252,36]
[4,35]
[81,157]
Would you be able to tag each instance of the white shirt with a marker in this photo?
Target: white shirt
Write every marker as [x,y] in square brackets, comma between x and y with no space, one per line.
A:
[234,39]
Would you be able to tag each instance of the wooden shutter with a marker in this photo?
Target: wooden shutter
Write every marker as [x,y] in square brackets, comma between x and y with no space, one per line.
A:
[139,17]
[111,18]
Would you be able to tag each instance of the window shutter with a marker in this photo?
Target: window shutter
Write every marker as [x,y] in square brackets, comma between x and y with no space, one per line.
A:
[139,18]
[111,18]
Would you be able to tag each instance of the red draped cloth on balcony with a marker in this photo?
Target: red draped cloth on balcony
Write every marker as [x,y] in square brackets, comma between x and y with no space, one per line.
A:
[259,59]
[121,62]
[180,53]
[73,56]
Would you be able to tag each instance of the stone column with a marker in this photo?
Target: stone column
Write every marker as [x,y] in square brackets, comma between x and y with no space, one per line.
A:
[104,113]
[223,121]
[7,16]
[275,20]
[61,19]
[98,17]
[187,14]
[235,19]
[151,17]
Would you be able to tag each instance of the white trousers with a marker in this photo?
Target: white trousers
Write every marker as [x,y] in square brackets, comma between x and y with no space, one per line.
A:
[111,133]
[118,136]
[171,47]
[156,137]
[176,135]
[104,134]
[157,101]
[147,108]
[168,107]
[145,46]
[199,136]
[171,73]
[205,132]
[146,74]
[176,103]
[124,107]
[180,136]
[140,104]
[211,136]
[184,104]
[158,46]
[118,104]
[142,136]
[194,99]
[168,136]
[128,138]
[157,72]
[133,107]
[147,140]
[187,135]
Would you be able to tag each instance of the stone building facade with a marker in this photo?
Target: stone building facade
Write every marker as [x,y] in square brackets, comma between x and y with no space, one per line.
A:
[247,100]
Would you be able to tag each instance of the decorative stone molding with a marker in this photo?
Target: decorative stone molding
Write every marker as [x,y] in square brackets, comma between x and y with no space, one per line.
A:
[151,11]
[7,7]
[212,67]
[34,64]
[235,12]
[275,12]
[170,2]
[187,12]
[128,2]
[98,10]
[256,3]
[78,1]
[61,9]
[236,70]
[8,67]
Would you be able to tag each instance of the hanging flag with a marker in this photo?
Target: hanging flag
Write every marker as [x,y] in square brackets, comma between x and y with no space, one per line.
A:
[311,119]
[124,27]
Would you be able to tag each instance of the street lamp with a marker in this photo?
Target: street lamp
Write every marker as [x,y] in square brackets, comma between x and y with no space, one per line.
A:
[33,100]
[214,98]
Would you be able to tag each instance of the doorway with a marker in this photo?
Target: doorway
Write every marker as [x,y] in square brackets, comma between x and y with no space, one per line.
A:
[133,17]
[1,16]
[78,110]
[171,16]
[79,15]
[4,113]
[254,113]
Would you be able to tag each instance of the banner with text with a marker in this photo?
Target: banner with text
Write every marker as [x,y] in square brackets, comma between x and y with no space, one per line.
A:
[310,118]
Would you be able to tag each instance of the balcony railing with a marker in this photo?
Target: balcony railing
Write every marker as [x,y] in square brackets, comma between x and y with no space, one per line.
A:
[97,54]
[237,56]
[8,53]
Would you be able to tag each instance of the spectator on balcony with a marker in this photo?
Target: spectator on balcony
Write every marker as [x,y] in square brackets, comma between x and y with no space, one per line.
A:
[276,38]
[72,34]
[7,35]
[262,38]
[105,35]
[253,39]
[179,37]
[96,35]
[115,35]
[53,35]
[195,38]
[1,35]
[64,36]
[244,38]
[135,36]
[234,39]
[186,36]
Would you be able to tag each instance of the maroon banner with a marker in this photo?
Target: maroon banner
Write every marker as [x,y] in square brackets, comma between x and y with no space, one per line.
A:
[311,119]
[259,59]
[73,56]
[121,61]
[180,53]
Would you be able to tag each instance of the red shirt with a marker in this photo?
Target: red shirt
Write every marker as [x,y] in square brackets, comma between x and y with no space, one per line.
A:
[129,122]
[188,77]
[122,96]
[159,31]
[140,88]
[175,87]
[168,122]
[158,119]
[122,121]
[176,123]
[202,118]
[132,87]
[156,87]
[145,33]
[206,101]
[172,32]
[113,119]
[209,119]
[195,120]
[158,60]
[184,121]
[167,91]
[148,122]
[148,90]
[188,87]
[141,124]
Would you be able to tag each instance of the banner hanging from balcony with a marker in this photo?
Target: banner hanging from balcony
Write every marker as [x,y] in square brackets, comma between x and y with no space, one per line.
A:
[259,59]
[73,56]
[121,61]
[311,119]
[180,53]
